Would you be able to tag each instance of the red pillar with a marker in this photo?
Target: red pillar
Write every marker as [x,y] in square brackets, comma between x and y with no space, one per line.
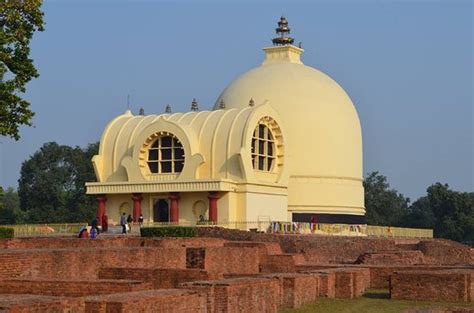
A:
[174,207]
[137,206]
[213,196]
[101,199]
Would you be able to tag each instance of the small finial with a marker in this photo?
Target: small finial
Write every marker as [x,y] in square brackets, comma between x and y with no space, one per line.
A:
[128,102]
[251,102]
[141,111]
[168,109]
[300,45]
[222,104]
[194,105]
[282,30]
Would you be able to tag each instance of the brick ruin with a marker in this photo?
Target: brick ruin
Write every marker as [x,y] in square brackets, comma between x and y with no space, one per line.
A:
[224,271]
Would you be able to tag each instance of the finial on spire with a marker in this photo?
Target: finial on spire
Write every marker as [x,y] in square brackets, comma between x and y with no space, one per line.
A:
[141,111]
[282,30]
[251,102]
[194,105]
[222,104]
[168,109]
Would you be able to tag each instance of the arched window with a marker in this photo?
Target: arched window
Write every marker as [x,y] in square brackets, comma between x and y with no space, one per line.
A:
[263,149]
[166,155]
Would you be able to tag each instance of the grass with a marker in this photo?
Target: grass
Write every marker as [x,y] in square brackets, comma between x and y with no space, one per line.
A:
[373,301]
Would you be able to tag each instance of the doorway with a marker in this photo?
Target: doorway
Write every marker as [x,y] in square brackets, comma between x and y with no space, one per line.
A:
[161,211]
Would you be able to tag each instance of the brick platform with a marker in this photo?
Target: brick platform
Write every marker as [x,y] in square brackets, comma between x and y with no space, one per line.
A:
[158,278]
[33,303]
[296,289]
[71,288]
[447,285]
[163,300]
[282,263]
[250,273]
[239,294]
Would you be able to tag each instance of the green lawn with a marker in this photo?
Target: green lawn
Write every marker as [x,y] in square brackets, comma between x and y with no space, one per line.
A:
[373,301]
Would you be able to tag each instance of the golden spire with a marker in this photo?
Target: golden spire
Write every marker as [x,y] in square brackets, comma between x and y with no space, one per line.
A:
[222,104]
[282,30]
[194,105]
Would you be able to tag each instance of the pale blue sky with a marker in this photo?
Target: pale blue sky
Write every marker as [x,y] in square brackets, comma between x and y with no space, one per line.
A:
[407,65]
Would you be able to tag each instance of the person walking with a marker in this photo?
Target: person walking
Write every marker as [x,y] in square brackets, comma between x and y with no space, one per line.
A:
[123,223]
[129,222]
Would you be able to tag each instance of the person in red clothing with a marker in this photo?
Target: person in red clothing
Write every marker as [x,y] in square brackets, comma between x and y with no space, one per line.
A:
[83,233]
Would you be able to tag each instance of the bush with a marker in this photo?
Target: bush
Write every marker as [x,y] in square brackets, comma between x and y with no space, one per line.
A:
[168,231]
[7,232]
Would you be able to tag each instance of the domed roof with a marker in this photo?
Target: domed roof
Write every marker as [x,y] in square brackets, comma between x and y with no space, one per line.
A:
[323,133]
[312,105]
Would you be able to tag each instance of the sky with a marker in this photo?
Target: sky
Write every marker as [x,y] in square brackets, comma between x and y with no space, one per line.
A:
[407,66]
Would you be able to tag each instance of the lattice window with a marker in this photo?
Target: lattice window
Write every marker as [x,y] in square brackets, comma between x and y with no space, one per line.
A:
[166,155]
[263,149]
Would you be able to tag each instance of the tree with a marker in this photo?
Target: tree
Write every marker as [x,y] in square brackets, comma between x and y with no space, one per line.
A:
[453,213]
[51,185]
[420,214]
[18,22]
[10,207]
[384,206]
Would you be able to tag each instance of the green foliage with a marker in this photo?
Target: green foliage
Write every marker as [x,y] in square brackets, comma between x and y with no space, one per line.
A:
[52,184]
[7,232]
[384,206]
[18,22]
[10,207]
[449,213]
[168,231]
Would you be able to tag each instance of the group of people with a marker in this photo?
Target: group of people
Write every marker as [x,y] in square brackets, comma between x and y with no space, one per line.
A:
[126,222]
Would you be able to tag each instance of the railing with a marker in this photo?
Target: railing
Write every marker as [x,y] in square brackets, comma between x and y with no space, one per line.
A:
[312,228]
[389,231]
[318,229]
[30,230]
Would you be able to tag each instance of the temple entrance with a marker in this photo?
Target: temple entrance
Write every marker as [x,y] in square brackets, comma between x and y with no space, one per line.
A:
[161,211]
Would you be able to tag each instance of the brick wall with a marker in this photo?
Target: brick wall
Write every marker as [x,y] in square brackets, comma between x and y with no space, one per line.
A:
[159,278]
[83,263]
[109,241]
[225,260]
[239,294]
[447,285]
[379,274]
[163,300]
[263,249]
[296,289]
[13,303]
[392,258]
[347,282]
[327,283]
[439,251]
[282,263]
[316,248]
[70,288]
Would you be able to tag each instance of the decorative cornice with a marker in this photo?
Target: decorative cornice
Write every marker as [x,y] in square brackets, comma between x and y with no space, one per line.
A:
[160,186]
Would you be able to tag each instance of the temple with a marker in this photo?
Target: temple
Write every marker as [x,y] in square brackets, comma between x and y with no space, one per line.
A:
[282,143]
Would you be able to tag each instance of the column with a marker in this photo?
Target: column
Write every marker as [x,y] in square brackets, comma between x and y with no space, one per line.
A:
[137,206]
[174,207]
[213,196]
[101,199]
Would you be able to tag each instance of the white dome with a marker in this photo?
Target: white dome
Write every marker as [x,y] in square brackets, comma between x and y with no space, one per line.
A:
[323,134]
